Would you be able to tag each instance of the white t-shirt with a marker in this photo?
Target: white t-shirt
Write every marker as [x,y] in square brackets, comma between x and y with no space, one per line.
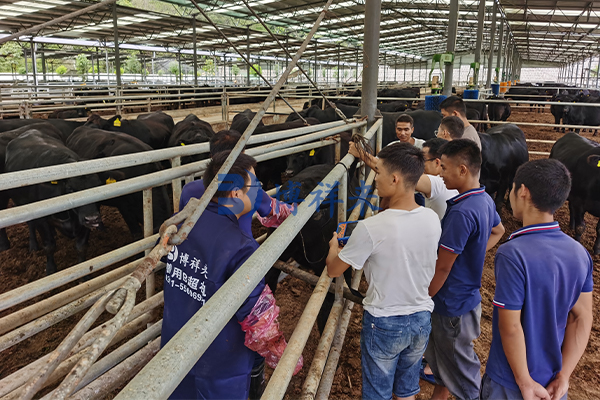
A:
[439,194]
[418,143]
[398,250]
[471,133]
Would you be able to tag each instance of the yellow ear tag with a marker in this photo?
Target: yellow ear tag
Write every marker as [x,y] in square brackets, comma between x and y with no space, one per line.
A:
[117,122]
[110,180]
[312,153]
[183,144]
[56,182]
[598,164]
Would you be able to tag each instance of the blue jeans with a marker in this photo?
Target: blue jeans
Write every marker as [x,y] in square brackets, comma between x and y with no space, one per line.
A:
[391,351]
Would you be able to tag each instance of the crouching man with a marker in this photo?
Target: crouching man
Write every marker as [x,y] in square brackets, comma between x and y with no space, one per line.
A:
[397,249]
[214,250]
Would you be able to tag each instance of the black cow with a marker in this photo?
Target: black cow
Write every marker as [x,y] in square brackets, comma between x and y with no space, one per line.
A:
[498,111]
[310,247]
[271,170]
[581,115]
[323,155]
[64,127]
[64,114]
[425,122]
[473,115]
[481,109]
[149,133]
[160,123]
[91,143]
[558,110]
[241,121]
[34,149]
[504,149]
[394,106]
[582,158]
[525,93]
[5,138]
[191,130]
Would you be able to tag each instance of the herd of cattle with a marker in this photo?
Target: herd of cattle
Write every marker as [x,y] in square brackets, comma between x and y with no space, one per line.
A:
[27,144]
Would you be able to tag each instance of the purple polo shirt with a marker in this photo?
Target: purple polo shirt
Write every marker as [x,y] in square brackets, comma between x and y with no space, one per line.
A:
[466,229]
[540,271]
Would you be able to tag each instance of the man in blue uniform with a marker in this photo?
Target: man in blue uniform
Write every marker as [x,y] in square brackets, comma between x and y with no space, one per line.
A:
[470,227]
[215,248]
[543,301]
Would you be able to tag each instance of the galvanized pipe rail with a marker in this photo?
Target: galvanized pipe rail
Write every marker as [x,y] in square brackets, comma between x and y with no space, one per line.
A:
[120,302]
[179,355]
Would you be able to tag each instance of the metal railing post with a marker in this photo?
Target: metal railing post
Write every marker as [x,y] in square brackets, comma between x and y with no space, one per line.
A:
[148,231]
[176,162]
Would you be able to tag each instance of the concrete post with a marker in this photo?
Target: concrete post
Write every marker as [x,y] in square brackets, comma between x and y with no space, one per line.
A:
[371,60]
[117,56]
[479,39]
[450,46]
[195,50]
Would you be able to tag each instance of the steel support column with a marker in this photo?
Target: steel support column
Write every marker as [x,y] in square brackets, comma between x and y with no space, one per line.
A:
[338,66]
[44,68]
[598,71]
[248,55]
[488,82]
[500,44]
[371,60]
[404,68]
[506,42]
[195,50]
[576,77]
[34,64]
[450,46]
[479,38]
[117,56]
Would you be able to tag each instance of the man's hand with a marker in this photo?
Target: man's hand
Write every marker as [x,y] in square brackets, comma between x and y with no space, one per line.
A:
[334,244]
[335,266]
[352,150]
[534,391]
[558,387]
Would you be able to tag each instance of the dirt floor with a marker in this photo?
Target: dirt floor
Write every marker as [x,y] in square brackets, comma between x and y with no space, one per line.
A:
[18,266]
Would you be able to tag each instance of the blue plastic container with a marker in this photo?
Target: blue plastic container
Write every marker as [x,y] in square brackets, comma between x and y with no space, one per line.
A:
[471,94]
[432,103]
[496,89]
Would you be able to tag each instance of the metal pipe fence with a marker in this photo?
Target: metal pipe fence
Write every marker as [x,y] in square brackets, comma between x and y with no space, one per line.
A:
[178,356]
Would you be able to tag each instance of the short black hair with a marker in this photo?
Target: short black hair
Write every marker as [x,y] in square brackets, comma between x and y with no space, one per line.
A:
[434,146]
[405,159]
[454,126]
[548,181]
[405,118]
[466,150]
[224,140]
[238,172]
[454,103]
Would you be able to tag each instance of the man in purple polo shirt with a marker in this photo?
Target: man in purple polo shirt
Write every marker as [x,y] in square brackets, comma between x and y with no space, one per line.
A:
[543,300]
[470,227]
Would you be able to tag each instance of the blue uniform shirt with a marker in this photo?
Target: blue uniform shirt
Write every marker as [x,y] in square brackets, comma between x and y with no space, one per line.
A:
[215,248]
[540,271]
[466,228]
[262,205]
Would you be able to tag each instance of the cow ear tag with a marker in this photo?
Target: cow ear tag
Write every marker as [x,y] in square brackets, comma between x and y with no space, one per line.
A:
[56,182]
[117,122]
[110,180]
[312,153]
[183,144]
[598,164]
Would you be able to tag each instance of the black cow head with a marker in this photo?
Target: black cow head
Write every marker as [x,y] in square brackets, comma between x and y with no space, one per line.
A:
[297,162]
[594,160]
[88,215]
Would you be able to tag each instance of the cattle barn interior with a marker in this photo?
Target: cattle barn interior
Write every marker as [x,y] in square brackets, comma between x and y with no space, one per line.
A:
[82,318]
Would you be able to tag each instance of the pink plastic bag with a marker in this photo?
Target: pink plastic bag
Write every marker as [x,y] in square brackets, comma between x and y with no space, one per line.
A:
[262,330]
[279,212]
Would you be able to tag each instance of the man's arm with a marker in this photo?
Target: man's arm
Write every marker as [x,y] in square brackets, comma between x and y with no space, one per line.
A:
[335,266]
[513,343]
[495,236]
[424,185]
[577,334]
[443,266]
[367,158]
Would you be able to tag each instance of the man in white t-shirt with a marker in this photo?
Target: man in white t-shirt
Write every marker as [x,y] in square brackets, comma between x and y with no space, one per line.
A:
[431,184]
[455,106]
[398,250]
